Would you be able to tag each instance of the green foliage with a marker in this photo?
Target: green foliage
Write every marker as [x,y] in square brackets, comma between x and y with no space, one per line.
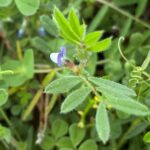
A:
[3,96]
[102,123]
[49,25]
[41,45]
[76,134]
[59,128]
[48,143]
[75,99]
[27,7]
[64,142]
[4,3]
[110,87]
[5,134]
[57,86]
[128,105]
[88,145]
[147,137]
[72,31]
[23,69]
[93,101]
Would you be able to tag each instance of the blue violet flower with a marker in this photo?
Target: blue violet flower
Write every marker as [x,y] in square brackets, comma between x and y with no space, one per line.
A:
[59,57]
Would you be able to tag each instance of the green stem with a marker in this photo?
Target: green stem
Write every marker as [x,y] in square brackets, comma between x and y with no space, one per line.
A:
[122,141]
[51,104]
[124,13]
[48,78]
[46,70]
[90,86]
[101,62]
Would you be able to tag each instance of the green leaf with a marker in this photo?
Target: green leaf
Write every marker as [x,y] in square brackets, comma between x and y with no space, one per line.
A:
[83,30]
[147,137]
[65,28]
[66,149]
[62,85]
[5,134]
[3,96]
[48,143]
[49,25]
[4,3]
[92,38]
[27,7]
[138,128]
[141,7]
[136,40]
[76,134]
[74,22]
[40,45]
[64,142]
[23,70]
[128,105]
[59,128]
[88,145]
[111,87]
[100,46]
[102,123]
[75,99]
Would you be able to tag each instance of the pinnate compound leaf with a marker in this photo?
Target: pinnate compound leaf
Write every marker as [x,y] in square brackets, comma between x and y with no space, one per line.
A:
[62,85]
[76,134]
[112,87]
[75,99]
[3,96]
[102,123]
[27,7]
[88,145]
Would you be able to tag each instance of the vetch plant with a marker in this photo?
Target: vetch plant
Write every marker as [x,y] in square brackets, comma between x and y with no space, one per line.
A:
[81,87]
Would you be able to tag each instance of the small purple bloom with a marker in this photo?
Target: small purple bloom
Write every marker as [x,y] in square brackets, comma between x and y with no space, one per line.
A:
[59,57]
[41,31]
[20,33]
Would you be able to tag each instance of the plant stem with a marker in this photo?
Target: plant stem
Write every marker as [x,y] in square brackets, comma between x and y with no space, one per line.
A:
[122,141]
[91,86]
[124,13]
[19,50]
[101,62]
[48,78]
[51,104]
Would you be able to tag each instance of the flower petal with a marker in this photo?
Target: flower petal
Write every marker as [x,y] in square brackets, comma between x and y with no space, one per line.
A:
[63,51]
[54,57]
